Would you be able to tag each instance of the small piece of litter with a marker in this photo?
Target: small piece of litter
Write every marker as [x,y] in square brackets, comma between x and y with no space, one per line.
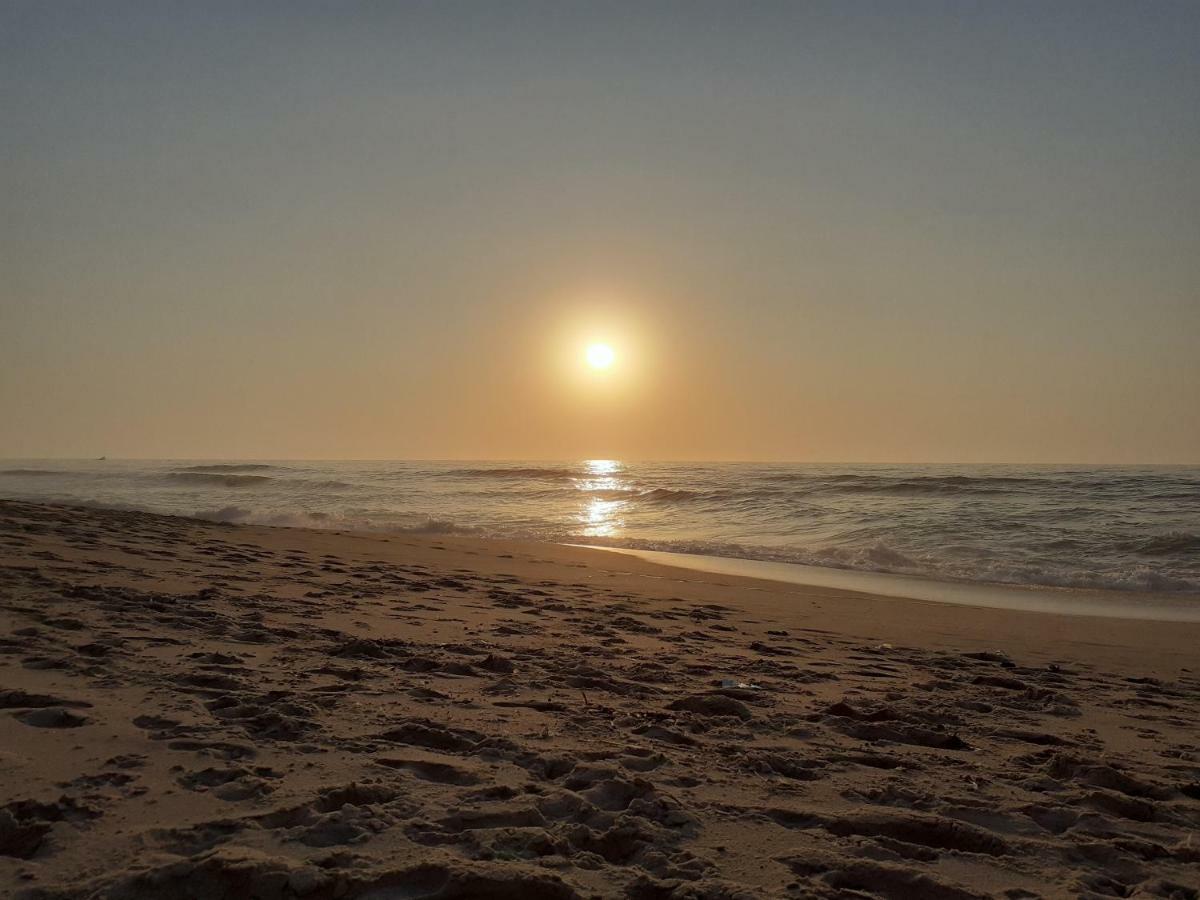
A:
[741,685]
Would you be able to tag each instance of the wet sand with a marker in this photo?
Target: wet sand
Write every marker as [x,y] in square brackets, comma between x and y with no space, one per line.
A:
[191,709]
[1072,601]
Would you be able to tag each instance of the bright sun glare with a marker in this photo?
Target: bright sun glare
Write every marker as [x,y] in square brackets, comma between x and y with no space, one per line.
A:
[600,356]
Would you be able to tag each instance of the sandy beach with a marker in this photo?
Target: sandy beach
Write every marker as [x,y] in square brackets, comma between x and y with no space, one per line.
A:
[202,710]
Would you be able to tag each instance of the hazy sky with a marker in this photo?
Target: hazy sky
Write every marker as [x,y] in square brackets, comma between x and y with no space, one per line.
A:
[811,231]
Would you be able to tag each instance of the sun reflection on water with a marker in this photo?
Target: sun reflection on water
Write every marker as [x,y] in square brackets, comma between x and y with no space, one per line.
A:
[601,517]
[601,511]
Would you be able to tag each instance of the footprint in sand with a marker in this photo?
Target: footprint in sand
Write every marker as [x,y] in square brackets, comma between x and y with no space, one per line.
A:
[51,717]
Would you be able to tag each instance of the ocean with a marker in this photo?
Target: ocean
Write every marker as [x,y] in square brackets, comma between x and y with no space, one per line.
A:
[1111,528]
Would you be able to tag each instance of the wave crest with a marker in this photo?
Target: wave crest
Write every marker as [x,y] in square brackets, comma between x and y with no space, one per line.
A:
[230,467]
[1165,544]
[512,472]
[668,495]
[213,478]
[438,526]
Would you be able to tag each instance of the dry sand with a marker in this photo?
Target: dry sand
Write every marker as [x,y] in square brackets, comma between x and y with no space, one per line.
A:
[202,710]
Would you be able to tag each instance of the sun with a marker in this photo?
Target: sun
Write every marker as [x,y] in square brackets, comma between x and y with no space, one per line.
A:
[600,356]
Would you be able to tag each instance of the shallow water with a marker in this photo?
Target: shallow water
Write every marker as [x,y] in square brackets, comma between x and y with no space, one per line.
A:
[1115,528]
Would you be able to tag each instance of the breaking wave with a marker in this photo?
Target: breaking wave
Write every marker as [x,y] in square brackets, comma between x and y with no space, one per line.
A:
[247,515]
[242,515]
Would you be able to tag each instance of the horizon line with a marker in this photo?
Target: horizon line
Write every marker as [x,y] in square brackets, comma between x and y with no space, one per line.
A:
[578,459]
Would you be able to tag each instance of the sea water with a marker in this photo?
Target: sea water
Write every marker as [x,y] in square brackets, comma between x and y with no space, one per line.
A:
[1113,528]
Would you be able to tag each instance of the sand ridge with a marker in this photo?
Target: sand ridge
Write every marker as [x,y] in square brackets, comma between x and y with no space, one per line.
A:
[200,710]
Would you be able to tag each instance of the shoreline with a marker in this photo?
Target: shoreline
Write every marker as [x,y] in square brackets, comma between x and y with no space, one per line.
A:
[1068,600]
[1051,599]
[871,614]
[200,709]
[1085,528]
